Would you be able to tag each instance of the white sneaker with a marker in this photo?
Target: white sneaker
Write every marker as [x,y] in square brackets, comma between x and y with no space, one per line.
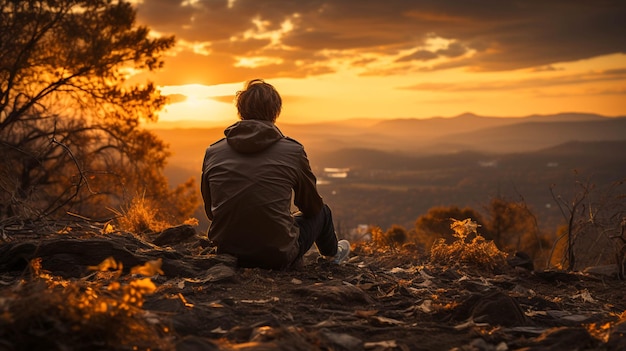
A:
[343,251]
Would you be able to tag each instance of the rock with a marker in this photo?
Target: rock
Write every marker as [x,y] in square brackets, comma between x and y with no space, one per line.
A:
[214,274]
[69,257]
[495,308]
[175,235]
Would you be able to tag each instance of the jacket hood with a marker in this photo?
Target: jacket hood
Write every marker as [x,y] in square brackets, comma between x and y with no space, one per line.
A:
[250,136]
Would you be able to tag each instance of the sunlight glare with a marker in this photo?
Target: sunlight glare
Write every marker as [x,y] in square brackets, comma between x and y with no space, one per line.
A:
[200,103]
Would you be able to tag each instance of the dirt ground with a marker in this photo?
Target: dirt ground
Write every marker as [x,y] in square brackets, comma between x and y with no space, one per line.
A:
[391,299]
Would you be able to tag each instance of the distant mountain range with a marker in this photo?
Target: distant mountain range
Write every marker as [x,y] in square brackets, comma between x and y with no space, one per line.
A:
[328,142]
[466,132]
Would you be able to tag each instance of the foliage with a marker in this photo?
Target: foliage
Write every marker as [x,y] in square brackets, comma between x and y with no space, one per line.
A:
[511,224]
[435,224]
[514,228]
[102,309]
[70,122]
[392,238]
[478,252]
[140,217]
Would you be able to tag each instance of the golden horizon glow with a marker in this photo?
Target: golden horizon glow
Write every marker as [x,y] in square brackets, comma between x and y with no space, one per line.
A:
[568,87]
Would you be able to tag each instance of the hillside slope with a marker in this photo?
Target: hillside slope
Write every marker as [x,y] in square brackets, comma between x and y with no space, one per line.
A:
[90,291]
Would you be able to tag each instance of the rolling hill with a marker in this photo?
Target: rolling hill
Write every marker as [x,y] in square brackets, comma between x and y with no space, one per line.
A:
[401,168]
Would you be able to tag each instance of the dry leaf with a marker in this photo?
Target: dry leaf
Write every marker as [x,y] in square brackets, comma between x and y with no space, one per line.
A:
[149,268]
[107,264]
[145,285]
[219,330]
[385,320]
[108,229]
[426,306]
[585,295]
[271,299]
[361,313]
[386,344]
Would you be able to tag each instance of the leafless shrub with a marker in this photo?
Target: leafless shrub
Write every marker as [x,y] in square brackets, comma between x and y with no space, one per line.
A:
[593,219]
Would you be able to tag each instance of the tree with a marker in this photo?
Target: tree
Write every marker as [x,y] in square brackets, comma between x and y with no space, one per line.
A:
[70,122]
[512,225]
[394,236]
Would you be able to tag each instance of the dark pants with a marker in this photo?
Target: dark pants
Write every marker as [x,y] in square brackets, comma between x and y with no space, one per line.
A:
[319,230]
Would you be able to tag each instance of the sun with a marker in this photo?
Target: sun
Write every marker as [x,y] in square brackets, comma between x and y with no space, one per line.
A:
[196,102]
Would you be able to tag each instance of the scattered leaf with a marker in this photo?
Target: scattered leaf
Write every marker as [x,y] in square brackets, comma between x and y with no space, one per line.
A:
[384,344]
[585,296]
[426,306]
[108,263]
[108,229]
[219,330]
[145,285]
[149,268]
[271,299]
[368,313]
[385,320]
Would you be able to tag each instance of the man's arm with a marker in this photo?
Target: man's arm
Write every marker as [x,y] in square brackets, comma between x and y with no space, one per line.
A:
[307,198]
[206,190]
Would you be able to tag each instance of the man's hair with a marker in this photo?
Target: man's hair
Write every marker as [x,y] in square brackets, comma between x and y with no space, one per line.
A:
[259,100]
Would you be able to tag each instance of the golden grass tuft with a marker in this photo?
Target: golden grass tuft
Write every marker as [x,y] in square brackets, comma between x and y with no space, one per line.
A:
[478,252]
[140,217]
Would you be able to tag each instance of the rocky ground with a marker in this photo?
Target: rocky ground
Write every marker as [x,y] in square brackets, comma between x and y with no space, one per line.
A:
[83,287]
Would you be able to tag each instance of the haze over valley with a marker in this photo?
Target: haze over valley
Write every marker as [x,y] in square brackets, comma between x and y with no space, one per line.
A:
[395,170]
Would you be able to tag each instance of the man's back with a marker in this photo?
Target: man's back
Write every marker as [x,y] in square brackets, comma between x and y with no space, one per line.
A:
[248,179]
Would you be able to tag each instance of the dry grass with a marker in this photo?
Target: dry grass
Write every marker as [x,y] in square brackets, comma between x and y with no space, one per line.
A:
[478,252]
[140,217]
[104,309]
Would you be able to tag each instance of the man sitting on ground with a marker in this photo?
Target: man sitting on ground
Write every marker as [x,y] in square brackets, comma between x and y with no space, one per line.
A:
[248,179]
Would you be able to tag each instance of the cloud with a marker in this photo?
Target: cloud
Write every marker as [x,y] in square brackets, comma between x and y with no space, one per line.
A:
[421,55]
[572,79]
[176,98]
[224,98]
[484,35]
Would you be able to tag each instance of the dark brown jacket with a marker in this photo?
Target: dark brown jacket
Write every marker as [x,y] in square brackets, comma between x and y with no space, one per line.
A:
[247,183]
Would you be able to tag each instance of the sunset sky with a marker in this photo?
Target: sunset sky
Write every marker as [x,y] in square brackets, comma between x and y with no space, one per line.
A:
[392,59]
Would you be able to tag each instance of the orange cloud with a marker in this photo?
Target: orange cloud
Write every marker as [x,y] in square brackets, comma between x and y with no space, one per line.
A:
[308,37]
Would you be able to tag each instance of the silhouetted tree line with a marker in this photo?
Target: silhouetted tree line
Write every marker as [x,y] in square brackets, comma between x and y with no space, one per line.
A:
[71,138]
